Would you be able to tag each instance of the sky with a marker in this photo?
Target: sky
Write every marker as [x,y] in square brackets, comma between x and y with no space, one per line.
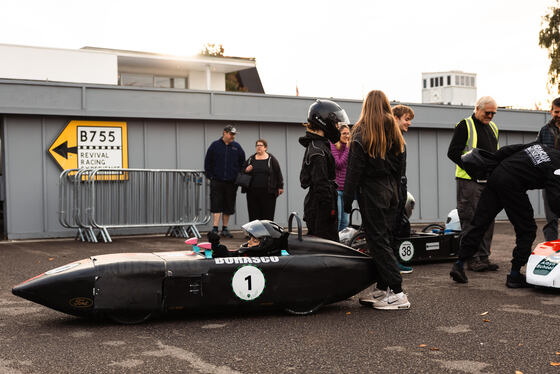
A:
[338,49]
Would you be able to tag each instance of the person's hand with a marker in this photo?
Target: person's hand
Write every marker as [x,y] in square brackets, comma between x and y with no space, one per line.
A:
[248,169]
[280,191]
[213,237]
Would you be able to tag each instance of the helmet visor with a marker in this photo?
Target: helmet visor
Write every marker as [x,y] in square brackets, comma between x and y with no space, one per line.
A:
[342,117]
[256,229]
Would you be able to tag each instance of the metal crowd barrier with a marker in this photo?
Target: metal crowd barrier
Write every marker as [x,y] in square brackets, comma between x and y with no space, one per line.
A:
[103,199]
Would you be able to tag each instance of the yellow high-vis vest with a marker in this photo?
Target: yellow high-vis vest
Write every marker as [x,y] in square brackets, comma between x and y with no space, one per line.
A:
[472,142]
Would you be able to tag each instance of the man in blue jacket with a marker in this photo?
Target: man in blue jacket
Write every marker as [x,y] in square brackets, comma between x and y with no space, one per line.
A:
[222,163]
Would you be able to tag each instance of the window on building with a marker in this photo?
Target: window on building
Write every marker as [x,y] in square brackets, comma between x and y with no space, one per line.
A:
[149,80]
[138,80]
[449,80]
[179,82]
[162,82]
[462,80]
[456,80]
[473,82]
[431,82]
[441,81]
[424,82]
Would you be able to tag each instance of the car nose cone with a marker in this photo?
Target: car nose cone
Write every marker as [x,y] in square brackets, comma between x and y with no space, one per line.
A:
[68,288]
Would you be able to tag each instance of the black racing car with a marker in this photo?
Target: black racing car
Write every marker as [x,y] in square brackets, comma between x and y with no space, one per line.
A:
[131,287]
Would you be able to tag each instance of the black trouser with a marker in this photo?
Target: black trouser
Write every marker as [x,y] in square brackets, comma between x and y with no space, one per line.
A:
[550,230]
[401,228]
[502,193]
[261,204]
[320,215]
[378,206]
[468,195]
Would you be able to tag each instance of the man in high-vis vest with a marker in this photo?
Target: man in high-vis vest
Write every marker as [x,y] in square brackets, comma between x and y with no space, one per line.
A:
[476,131]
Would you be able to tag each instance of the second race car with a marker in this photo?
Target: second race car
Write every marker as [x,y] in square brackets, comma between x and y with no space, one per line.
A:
[542,267]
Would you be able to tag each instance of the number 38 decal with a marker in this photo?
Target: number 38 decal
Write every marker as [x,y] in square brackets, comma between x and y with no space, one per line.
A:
[406,251]
[248,282]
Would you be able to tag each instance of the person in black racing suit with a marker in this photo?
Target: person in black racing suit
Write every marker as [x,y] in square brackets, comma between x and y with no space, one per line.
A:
[374,172]
[318,168]
[520,167]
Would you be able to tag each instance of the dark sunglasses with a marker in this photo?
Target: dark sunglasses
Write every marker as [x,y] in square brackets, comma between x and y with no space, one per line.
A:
[490,113]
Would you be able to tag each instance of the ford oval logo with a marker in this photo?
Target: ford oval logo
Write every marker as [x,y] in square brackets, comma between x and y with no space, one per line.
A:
[81,302]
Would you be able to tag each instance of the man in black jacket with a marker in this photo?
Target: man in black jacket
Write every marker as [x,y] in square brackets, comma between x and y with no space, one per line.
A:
[519,168]
[222,163]
[475,131]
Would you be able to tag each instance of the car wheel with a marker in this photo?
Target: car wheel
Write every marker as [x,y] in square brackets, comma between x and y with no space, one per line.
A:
[432,226]
[303,310]
[127,317]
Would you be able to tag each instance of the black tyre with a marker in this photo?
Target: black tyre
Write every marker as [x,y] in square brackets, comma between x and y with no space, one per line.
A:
[433,226]
[128,317]
[303,310]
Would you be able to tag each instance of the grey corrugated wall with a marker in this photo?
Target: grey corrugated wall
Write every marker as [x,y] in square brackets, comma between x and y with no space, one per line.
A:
[173,128]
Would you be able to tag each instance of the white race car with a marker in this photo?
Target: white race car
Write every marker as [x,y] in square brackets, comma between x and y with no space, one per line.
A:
[542,267]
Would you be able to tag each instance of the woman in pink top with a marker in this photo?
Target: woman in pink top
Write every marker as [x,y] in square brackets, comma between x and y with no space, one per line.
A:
[340,153]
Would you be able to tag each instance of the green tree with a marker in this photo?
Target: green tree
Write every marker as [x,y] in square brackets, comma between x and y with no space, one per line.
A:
[549,38]
[211,49]
[232,79]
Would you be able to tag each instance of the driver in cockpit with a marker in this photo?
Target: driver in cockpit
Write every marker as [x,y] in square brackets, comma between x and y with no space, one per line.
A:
[265,238]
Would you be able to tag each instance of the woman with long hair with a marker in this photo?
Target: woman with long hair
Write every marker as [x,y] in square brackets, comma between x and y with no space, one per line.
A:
[373,172]
[339,151]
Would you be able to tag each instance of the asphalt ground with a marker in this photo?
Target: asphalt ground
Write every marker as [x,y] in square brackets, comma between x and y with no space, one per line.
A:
[480,327]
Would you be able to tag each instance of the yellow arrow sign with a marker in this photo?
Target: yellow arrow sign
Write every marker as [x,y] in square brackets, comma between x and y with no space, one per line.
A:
[91,144]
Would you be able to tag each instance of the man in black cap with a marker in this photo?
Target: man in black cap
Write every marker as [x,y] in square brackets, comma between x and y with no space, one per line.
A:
[222,163]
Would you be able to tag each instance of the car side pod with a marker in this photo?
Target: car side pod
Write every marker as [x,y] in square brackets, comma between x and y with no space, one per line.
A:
[542,266]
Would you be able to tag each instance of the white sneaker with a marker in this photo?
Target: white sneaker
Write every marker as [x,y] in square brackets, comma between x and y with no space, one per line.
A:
[379,294]
[392,301]
[376,296]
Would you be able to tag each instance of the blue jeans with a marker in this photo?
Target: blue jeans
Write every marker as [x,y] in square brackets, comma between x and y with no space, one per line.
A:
[342,217]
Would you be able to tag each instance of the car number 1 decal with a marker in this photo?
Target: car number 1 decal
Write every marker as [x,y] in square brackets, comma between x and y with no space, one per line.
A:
[248,282]
[406,251]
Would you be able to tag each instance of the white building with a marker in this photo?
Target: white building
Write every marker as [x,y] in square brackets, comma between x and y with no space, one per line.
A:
[449,87]
[120,67]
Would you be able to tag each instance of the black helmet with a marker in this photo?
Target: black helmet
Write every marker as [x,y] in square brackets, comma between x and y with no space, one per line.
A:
[479,163]
[269,233]
[326,114]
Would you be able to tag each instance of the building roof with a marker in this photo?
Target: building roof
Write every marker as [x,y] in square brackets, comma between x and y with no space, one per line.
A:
[137,60]
[448,72]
